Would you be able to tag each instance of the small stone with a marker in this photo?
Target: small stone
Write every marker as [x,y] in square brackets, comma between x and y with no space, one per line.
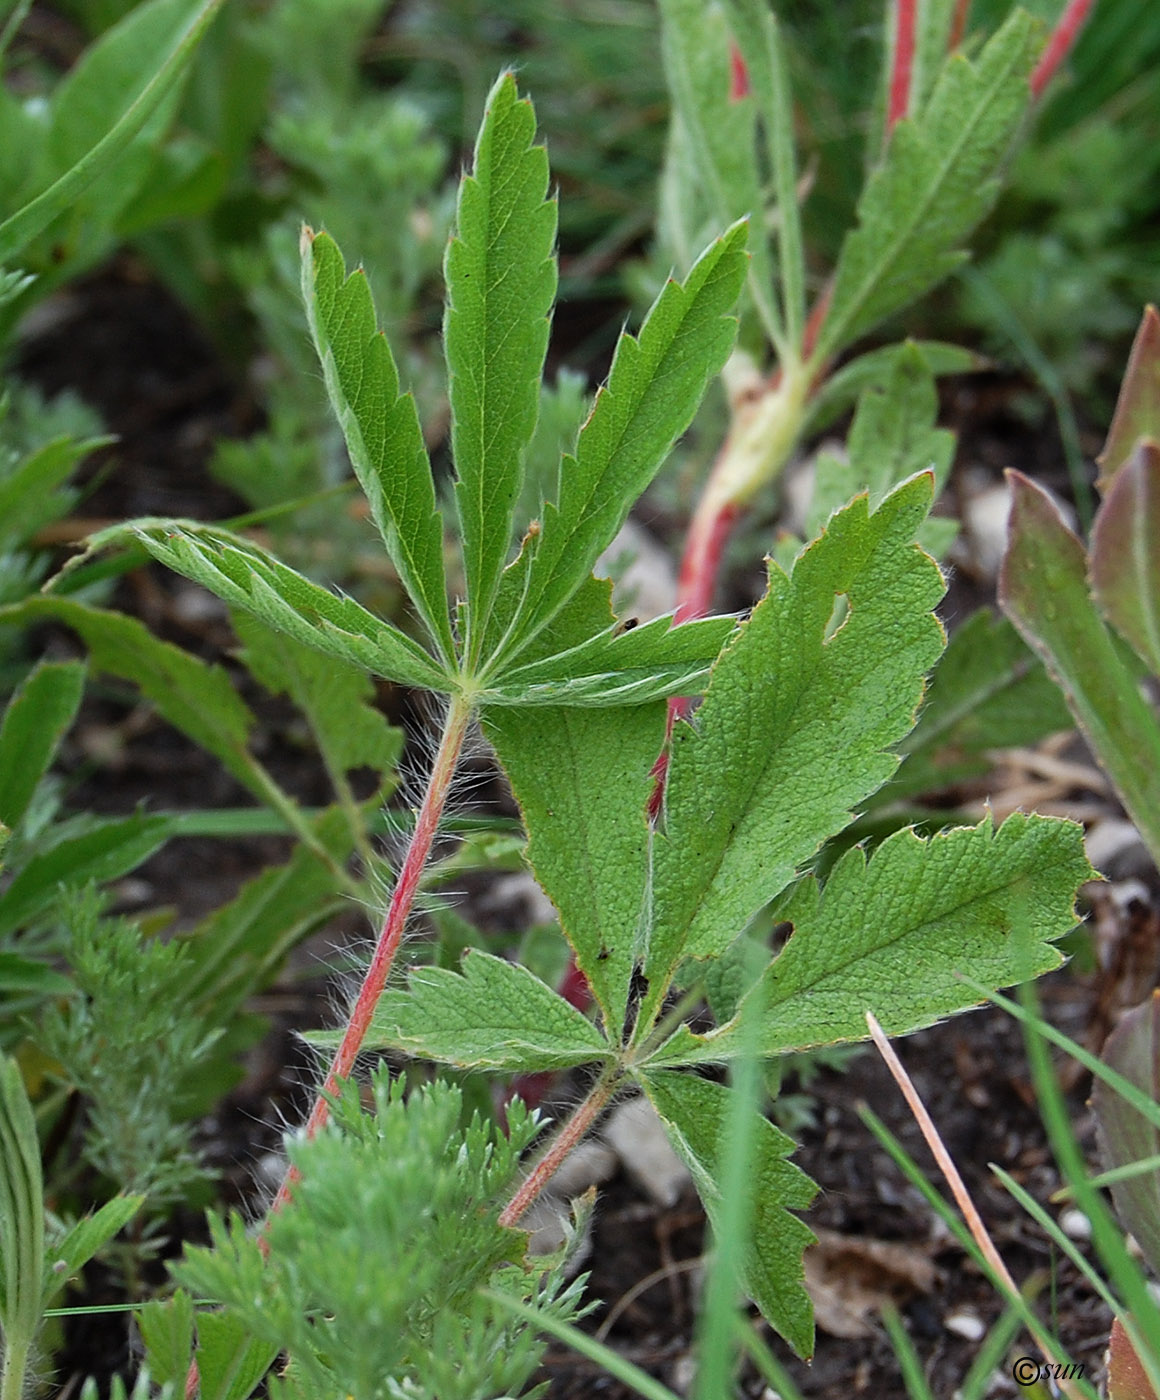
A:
[683,1373]
[965,1324]
[1075,1224]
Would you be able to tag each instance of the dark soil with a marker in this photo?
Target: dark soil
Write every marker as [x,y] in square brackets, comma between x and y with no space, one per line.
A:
[127,348]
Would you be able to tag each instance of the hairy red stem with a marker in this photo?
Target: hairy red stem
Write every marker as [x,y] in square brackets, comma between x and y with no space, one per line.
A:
[391,934]
[902,64]
[1060,44]
[560,1146]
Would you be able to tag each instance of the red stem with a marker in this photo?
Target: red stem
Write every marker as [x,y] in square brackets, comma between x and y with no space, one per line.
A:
[958,25]
[563,1143]
[1060,44]
[391,934]
[700,564]
[902,63]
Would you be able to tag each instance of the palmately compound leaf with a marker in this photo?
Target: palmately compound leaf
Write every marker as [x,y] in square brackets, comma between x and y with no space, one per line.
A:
[695,1113]
[892,934]
[935,184]
[582,779]
[796,727]
[501,282]
[493,1014]
[653,390]
[246,576]
[381,427]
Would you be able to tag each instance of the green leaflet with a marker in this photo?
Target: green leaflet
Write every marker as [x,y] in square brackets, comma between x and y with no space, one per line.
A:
[494,1014]
[501,283]
[245,576]
[81,1242]
[74,122]
[795,728]
[695,1112]
[719,133]
[936,182]
[873,369]
[102,851]
[231,1361]
[337,700]
[381,428]
[619,667]
[654,387]
[892,437]
[199,700]
[21,1216]
[30,494]
[582,779]
[167,1332]
[1043,590]
[36,720]
[891,934]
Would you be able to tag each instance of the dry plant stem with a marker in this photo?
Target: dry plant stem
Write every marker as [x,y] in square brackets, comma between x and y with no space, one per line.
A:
[1060,44]
[565,1140]
[905,19]
[958,1186]
[394,924]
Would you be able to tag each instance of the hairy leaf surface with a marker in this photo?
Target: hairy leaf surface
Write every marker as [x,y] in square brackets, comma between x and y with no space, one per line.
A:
[381,427]
[501,282]
[695,1112]
[619,667]
[493,1014]
[246,576]
[934,185]
[582,779]
[891,934]
[795,729]
[653,390]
